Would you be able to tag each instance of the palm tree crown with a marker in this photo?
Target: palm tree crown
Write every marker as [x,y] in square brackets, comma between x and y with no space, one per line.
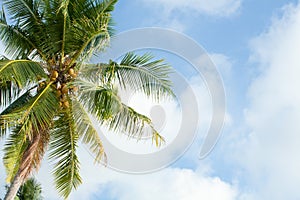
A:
[30,190]
[48,90]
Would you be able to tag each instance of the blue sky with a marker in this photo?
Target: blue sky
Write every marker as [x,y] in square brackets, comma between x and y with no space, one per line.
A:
[255,46]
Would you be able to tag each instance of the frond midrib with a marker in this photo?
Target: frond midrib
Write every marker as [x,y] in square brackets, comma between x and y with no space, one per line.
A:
[72,149]
[36,101]
[33,15]
[15,61]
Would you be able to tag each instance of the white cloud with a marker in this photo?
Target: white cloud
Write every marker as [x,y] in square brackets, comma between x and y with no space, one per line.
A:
[178,14]
[168,184]
[217,7]
[271,152]
[223,64]
[180,184]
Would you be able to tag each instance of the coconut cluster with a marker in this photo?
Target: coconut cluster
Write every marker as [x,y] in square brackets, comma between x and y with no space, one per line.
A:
[61,76]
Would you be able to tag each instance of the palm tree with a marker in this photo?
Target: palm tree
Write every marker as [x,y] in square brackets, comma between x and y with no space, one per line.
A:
[48,89]
[30,190]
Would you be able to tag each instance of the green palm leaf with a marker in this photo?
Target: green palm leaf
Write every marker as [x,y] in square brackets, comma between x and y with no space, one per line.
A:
[8,92]
[63,146]
[106,105]
[20,72]
[37,114]
[87,132]
[30,190]
[25,12]
[26,17]
[140,73]
[91,28]
[99,100]
[29,117]
[26,145]
[17,104]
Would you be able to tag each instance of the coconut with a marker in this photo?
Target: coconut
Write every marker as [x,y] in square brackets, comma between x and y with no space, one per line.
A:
[58,93]
[64,89]
[66,104]
[54,74]
[71,71]
[74,75]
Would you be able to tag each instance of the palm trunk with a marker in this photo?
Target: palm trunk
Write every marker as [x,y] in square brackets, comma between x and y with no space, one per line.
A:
[14,187]
[30,160]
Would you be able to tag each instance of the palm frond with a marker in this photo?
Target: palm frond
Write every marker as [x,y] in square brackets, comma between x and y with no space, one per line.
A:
[18,103]
[91,30]
[63,146]
[134,124]
[27,19]
[96,73]
[20,72]
[139,73]
[106,105]
[25,12]
[130,122]
[36,114]
[87,132]
[31,189]
[64,4]
[15,105]
[29,122]
[51,38]
[8,92]
[64,9]
[102,101]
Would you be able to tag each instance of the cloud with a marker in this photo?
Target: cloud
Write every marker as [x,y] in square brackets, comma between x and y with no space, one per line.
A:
[223,64]
[167,184]
[270,154]
[214,8]
[179,14]
[180,184]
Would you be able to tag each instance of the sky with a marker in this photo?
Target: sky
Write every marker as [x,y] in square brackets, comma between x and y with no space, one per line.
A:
[255,47]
